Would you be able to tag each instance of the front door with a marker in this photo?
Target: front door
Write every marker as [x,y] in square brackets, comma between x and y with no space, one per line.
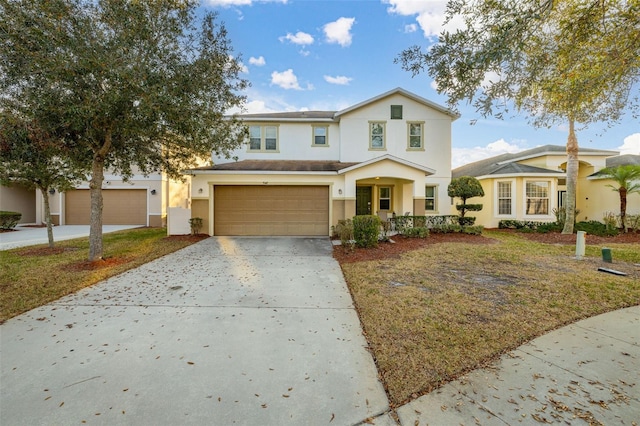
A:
[363,200]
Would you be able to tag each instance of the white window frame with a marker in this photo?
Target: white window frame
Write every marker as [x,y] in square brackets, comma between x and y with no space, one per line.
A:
[326,136]
[380,198]
[409,135]
[263,138]
[383,124]
[512,196]
[550,190]
[434,198]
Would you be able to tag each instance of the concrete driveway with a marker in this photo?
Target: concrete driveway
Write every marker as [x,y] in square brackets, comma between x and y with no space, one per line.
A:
[246,331]
[24,236]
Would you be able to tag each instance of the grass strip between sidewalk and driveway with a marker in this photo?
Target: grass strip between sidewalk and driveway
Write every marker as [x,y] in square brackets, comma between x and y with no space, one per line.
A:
[36,275]
[434,313]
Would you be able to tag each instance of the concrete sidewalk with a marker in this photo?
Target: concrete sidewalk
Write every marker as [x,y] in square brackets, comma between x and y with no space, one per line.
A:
[585,373]
[28,236]
[245,331]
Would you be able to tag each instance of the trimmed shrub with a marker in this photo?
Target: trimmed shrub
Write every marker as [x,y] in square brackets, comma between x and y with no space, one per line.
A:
[544,228]
[466,220]
[593,227]
[633,222]
[365,230]
[196,225]
[9,220]
[418,232]
[472,230]
[344,230]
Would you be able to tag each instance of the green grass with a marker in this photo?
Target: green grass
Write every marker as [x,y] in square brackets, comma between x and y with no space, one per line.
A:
[440,311]
[33,276]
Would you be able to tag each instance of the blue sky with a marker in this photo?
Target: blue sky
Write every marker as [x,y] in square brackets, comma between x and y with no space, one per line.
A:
[331,54]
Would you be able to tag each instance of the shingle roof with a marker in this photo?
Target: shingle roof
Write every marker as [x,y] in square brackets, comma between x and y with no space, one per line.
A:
[496,165]
[279,166]
[623,160]
[294,115]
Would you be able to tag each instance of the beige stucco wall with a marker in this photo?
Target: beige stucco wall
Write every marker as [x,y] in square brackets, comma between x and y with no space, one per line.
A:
[599,199]
[200,208]
[18,199]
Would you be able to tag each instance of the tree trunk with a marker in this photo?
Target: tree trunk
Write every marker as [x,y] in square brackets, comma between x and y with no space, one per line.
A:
[572,179]
[95,221]
[47,215]
[623,207]
[95,186]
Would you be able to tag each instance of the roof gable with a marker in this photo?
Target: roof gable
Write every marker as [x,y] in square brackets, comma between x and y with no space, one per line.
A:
[493,165]
[404,93]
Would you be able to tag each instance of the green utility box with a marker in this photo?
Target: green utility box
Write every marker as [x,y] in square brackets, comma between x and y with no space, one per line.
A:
[606,255]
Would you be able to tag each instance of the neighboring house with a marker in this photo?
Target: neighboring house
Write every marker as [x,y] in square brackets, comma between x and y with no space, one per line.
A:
[530,185]
[302,172]
[140,201]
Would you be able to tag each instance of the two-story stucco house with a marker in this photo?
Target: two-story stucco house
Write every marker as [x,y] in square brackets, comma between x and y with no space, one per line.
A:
[301,172]
[529,185]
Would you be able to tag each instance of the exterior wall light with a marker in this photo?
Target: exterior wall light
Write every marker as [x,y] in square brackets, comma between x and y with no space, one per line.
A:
[153,192]
[52,191]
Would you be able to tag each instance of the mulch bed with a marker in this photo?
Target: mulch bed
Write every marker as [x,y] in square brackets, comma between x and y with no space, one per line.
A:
[403,244]
[188,237]
[97,264]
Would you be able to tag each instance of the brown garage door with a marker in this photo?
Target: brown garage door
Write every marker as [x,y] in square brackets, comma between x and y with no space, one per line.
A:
[120,207]
[271,210]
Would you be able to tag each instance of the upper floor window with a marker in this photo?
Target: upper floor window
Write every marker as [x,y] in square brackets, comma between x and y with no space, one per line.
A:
[396,112]
[537,197]
[320,136]
[504,198]
[416,135]
[376,135]
[430,198]
[263,138]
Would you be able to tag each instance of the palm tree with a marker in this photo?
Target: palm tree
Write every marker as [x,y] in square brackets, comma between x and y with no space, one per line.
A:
[627,179]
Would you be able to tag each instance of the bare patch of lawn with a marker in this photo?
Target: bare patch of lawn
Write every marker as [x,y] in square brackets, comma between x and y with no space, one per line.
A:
[34,276]
[435,312]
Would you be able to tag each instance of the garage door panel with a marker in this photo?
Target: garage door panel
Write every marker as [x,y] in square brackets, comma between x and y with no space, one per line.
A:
[272,210]
[120,207]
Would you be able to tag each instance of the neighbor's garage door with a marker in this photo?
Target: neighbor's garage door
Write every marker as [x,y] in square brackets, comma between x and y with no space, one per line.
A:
[271,210]
[120,207]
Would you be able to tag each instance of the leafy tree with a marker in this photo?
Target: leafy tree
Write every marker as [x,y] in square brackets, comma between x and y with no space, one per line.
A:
[627,179]
[465,187]
[31,158]
[569,62]
[136,86]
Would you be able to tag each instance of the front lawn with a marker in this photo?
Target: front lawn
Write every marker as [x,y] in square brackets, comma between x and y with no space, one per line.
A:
[443,307]
[36,275]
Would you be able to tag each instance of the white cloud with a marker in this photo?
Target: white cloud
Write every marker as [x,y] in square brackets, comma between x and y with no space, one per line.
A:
[430,14]
[339,79]
[339,31]
[631,145]
[462,156]
[411,28]
[298,38]
[258,62]
[286,79]
[229,3]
